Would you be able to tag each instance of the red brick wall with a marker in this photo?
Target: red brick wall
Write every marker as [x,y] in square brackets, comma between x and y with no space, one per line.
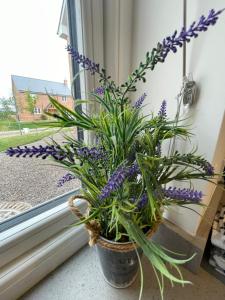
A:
[42,102]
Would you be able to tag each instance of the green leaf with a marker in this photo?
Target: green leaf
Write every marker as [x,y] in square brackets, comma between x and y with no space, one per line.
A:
[153,252]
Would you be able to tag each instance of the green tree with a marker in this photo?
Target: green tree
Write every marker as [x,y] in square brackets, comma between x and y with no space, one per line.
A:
[31,102]
[7,108]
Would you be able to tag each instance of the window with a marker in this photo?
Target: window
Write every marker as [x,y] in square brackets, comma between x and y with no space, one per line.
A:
[37,110]
[42,235]
[32,181]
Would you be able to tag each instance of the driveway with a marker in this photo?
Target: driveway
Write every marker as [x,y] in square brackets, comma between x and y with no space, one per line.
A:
[32,180]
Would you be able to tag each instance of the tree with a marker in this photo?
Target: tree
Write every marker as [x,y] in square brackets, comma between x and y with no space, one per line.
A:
[7,108]
[31,101]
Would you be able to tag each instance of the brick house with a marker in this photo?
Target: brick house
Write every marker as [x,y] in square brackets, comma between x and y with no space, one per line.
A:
[38,89]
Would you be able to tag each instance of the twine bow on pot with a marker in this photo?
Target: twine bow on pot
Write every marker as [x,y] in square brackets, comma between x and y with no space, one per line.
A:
[93,226]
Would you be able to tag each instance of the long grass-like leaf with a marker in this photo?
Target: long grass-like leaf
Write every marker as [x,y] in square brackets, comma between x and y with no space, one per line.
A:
[153,252]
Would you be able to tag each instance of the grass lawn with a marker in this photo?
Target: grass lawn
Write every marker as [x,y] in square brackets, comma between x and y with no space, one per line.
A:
[14,141]
[12,125]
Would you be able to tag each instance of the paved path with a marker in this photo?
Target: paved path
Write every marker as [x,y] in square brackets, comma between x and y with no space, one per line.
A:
[4,134]
[32,180]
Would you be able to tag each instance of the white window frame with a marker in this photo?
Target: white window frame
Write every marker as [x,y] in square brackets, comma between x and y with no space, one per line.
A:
[32,249]
[64,98]
[37,110]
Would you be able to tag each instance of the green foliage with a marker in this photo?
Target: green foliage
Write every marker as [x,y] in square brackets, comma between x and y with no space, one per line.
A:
[11,124]
[31,101]
[7,108]
[128,138]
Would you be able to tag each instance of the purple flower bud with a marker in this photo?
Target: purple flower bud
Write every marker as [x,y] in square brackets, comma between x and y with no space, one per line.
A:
[92,153]
[100,90]
[208,168]
[82,60]
[133,170]
[140,101]
[65,178]
[41,151]
[162,111]
[143,201]
[171,43]
[117,178]
[189,195]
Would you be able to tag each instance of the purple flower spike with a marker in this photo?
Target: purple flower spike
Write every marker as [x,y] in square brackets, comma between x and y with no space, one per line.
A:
[117,179]
[92,153]
[209,169]
[40,151]
[143,201]
[183,194]
[133,170]
[100,90]
[172,42]
[115,182]
[65,179]
[82,60]
[162,111]
[140,101]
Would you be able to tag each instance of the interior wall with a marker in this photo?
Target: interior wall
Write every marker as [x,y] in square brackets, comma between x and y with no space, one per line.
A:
[152,21]
[118,24]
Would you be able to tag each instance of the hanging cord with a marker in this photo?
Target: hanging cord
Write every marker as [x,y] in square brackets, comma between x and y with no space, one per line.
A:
[188,89]
[180,96]
[179,99]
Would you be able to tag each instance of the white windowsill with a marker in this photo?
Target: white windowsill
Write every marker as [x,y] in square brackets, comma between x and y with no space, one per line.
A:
[32,249]
[80,278]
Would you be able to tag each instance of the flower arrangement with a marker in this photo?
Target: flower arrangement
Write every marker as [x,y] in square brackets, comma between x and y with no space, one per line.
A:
[126,177]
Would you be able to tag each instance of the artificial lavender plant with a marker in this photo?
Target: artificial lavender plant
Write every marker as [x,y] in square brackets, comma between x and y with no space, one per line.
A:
[125,176]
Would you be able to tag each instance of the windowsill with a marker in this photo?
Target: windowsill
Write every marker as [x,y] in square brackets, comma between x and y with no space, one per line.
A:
[81,278]
[31,250]
[23,237]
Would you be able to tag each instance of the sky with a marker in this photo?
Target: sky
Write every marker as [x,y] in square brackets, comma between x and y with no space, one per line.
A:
[30,45]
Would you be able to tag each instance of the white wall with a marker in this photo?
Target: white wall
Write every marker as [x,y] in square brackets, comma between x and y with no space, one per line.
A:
[152,21]
[117,38]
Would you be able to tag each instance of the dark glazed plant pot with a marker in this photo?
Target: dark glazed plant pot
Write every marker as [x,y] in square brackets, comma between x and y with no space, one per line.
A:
[119,265]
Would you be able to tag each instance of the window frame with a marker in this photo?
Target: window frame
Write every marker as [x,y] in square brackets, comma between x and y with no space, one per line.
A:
[34,211]
[22,237]
[37,111]
[31,250]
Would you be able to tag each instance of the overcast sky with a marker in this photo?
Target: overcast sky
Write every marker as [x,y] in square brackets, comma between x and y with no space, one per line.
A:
[30,45]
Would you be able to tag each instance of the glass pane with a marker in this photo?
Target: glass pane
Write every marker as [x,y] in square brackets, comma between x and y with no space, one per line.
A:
[34,63]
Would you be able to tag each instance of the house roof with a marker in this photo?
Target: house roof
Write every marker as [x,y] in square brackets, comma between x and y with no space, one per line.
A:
[34,85]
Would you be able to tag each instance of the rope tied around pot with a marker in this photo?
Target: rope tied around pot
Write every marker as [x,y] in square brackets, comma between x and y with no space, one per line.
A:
[93,227]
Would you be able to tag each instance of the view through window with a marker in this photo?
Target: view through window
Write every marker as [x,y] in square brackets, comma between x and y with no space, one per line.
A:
[33,62]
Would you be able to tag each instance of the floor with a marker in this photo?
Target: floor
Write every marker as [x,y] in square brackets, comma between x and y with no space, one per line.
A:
[80,278]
